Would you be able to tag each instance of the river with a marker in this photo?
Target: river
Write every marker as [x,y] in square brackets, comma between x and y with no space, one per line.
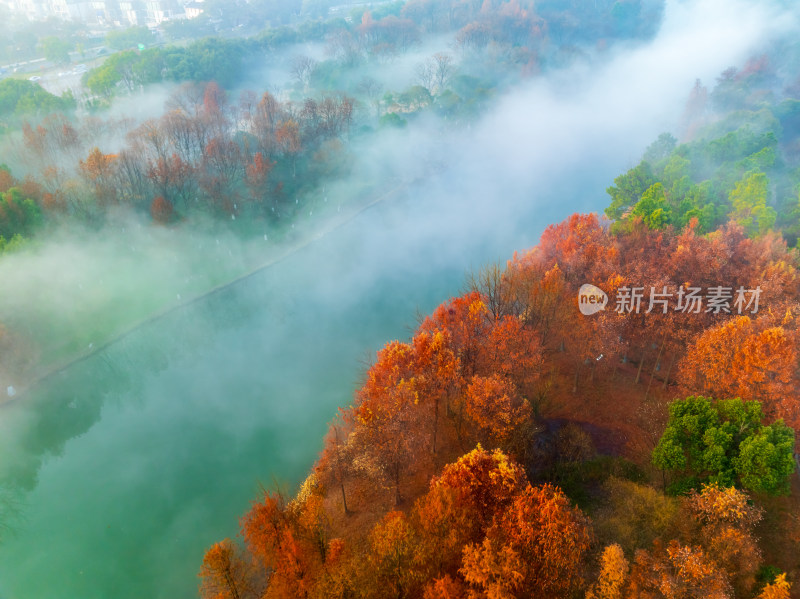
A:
[130,463]
[118,473]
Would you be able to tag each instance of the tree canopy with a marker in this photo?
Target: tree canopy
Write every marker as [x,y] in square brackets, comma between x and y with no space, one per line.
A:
[725,442]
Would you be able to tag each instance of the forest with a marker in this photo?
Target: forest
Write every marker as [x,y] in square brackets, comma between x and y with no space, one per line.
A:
[516,448]
[511,446]
[256,162]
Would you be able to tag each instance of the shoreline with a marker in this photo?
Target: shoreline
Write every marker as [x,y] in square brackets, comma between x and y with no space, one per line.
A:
[293,247]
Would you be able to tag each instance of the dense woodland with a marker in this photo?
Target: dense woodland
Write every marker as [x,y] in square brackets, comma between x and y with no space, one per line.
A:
[221,150]
[255,161]
[516,448]
[512,447]
[493,46]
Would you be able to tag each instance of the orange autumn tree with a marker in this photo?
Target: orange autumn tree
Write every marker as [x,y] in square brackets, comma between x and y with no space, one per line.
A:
[228,574]
[172,178]
[392,560]
[421,373]
[678,572]
[416,554]
[545,282]
[777,589]
[482,527]
[262,528]
[496,409]
[514,351]
[395,420]
[99,171]
[257,177]
[540,542]
[717,554]
[334,468]
[483,482]
[289,541]
[461,503]
[581,247]
[387,422]
[436,374]
[540,296]
[465,320]
[726,519]
[485,345]
[445,587]
[747,359]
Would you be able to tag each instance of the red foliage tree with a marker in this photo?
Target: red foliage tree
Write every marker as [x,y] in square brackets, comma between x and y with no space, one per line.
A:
[257,177]
[161,210]
[581,248]
[289,541]
[99,171]
[7,180]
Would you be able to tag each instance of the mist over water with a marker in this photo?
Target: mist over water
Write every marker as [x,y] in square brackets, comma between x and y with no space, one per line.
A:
[129,464]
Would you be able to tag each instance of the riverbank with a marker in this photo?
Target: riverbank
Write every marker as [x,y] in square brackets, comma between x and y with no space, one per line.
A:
[295,239]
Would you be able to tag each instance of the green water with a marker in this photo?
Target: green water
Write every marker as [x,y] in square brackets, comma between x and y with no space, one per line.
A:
[118,473]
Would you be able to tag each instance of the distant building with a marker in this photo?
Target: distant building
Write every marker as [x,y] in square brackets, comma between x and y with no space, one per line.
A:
[122,13]
[132,12]
[33,9]
[159,11]
[78,10]
[194,10]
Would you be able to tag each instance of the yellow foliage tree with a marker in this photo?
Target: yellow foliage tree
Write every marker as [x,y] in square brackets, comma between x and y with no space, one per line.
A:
[613,572]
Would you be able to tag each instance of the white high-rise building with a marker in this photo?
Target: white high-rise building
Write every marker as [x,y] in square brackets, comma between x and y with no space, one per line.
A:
[132,12]
[32,9]
[122,13]
[159,11]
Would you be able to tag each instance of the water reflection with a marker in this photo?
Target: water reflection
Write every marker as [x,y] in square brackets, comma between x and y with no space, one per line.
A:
[133,461]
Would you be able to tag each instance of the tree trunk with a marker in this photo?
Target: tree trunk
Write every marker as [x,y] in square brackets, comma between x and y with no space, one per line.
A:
[653,372]
[641,363]
[230,582]
[575,381]
[669,370]
[435,423]
[344,497]
[397,498]
[339,474]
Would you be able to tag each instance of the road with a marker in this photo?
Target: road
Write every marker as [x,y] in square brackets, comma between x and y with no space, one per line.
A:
[57,79]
